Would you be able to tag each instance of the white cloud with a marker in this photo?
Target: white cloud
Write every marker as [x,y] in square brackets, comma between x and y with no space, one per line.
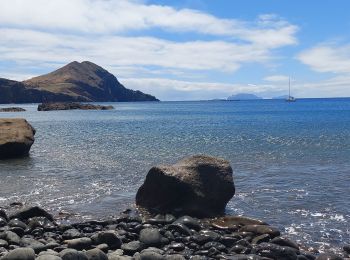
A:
[327,58]
[33,47]
[277,78]
[120,16]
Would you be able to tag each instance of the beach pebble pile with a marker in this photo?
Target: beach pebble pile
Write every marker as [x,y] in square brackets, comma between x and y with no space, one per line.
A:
[32,233]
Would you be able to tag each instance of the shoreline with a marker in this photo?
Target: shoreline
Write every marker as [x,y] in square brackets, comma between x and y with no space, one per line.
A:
[132,235]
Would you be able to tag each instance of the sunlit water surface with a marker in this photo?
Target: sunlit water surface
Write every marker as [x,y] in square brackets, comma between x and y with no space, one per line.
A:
[291,161]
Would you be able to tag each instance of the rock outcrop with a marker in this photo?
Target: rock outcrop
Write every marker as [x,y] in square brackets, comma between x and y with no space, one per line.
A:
[75,82]
[71,106]
[199,186]
[12,109]
[16,138]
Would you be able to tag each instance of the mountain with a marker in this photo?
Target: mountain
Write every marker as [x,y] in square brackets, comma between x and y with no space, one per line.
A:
[243,96]
[84,82]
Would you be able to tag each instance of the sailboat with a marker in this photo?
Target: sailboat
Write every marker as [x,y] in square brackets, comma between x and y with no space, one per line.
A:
[290,98]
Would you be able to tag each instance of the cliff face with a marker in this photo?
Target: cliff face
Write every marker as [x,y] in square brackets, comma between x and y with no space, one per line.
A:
[85,81]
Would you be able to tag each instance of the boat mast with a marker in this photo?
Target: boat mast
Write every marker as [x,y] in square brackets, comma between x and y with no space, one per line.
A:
[289,88]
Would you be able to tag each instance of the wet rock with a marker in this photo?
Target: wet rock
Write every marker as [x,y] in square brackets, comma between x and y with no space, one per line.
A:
[48,257]
[346,248]
[150,237]
[3,243]
[283,241]
[148,255]
[275,251]
[260,230]
[197,186]
[107,237]
[16,139]
[174,257]
[20,254]
[17,223]
[71,234]
[260,239]
[189,222]
[72,254]
[229,222]
[12,238]
[96,254]
[3,215]
[3,222]
[329,257]
[132,247]
[33,243]
[32,212]
[79,243]
[181,228]
[162,219]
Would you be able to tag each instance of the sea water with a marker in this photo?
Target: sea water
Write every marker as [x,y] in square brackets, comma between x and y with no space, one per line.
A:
[291,161]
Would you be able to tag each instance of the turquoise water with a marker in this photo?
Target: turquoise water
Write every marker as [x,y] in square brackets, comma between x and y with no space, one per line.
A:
[291,161]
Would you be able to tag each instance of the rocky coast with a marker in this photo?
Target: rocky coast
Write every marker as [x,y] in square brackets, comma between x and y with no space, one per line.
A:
[33,233]
[179,216]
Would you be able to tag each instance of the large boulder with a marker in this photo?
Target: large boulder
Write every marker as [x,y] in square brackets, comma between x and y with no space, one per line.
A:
[16,137]
[198,185]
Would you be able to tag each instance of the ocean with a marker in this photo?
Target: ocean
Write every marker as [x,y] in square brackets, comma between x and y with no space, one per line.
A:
[291,161]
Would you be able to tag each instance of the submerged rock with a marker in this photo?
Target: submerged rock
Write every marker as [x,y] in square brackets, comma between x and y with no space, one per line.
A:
[198,186]
[16,137]
[71,106]
[31,212]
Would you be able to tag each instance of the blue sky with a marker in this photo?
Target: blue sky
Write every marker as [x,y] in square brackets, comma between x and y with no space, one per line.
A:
[186,49]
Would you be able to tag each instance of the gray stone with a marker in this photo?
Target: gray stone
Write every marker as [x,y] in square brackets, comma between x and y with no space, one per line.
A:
[150,237]
[16,137]
[48,257]
[132,247]
[96,254]
[79,243]
[20,254]
[72,254]
[107,237]
[32,212]
[198,186]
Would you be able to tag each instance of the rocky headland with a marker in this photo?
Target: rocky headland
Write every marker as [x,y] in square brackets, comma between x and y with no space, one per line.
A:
[74,82]
[71,106]
[16,137]
[172,234]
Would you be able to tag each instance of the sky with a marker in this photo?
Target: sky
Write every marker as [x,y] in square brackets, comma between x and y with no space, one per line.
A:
[186,49]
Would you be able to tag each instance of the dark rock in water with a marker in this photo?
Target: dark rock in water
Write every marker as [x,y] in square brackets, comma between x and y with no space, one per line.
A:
[150,237]
[32,212]
[72,254]
[71,106]
[12,109]
[197,186]
[16,137]
[20,254]
[329,257]
[96,254]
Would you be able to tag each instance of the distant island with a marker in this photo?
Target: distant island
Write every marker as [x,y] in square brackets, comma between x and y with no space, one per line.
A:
[243,96]
[79,82]
[281,97]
